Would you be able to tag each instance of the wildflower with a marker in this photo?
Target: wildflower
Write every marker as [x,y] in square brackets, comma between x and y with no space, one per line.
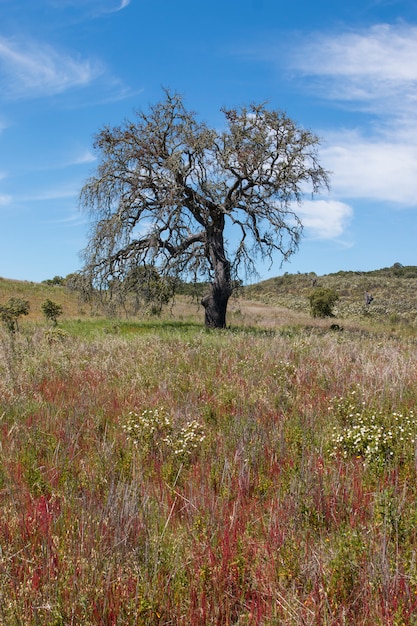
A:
[373,437]
[154,430]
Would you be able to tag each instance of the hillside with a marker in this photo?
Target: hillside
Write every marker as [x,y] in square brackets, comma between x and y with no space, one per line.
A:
[394,290]
[36,294]
[282,300]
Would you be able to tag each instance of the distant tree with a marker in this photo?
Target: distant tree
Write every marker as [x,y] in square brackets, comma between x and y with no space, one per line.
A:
[147,288]
[322,301]
[167,186]
[11,311]
[398,269]
[55,281]
[51,311]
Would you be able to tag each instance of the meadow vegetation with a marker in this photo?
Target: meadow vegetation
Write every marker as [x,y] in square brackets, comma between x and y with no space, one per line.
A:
[393,289]
[155,472]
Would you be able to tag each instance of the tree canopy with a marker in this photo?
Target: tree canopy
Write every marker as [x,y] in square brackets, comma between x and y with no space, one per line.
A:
[11,311]
[168,190]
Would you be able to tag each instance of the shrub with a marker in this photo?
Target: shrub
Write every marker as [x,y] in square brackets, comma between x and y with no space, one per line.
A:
[55,335]
[322,301]
[153,431]
[51,311]
[147,287]
[55,281]
[11,311]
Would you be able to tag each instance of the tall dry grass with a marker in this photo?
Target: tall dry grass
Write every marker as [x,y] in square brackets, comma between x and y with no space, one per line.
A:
[264,523]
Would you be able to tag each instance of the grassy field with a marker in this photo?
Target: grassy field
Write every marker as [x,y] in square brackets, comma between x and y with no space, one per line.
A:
[156,473]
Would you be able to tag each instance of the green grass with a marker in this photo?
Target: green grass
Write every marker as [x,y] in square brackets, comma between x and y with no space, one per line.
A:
[114,327]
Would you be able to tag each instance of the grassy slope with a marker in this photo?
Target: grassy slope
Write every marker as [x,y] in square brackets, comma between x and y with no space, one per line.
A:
[277,301]
[36,294]
[261,524]
[394,291]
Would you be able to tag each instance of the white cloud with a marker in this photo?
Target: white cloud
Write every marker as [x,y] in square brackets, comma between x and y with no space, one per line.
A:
[84,157]
[83,4]
[93,7]
[4,200]
[373,168]
[369,66]
[324,219]
[383,51]
[373,70]
[31,68]
[58,193]
[73,219]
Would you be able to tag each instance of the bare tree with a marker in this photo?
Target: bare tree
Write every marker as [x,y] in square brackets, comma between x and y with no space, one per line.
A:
[168,189]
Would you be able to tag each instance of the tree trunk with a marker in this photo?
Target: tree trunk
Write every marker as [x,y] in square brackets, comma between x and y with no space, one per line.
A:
[215,303]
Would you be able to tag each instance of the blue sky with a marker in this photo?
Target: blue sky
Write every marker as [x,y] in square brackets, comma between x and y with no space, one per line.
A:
[346,70]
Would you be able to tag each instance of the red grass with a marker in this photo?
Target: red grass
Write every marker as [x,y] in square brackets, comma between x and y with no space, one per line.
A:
[262,527]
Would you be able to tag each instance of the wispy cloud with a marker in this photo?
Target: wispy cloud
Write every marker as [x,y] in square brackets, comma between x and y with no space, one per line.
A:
[54,193]
[324,219]
[81,158]
[373,168]
[366,67]
[5,200]
[373,70]
[31,69]
[124,4]
[73,219]
[92,7]
[84,157]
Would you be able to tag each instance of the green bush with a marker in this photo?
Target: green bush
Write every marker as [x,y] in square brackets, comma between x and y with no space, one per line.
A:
[322,301]
[11,311]
[51,311]
[55,281]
